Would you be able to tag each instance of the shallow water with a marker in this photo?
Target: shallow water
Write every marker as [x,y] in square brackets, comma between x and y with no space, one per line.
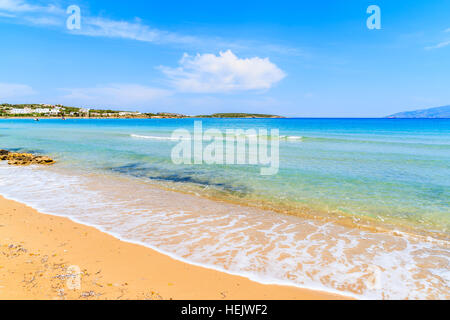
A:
[395,172]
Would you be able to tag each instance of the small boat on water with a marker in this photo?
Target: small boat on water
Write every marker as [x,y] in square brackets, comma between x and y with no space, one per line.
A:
[36,119]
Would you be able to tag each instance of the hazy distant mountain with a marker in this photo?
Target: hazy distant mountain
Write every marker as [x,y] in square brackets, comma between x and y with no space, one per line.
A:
[440,112]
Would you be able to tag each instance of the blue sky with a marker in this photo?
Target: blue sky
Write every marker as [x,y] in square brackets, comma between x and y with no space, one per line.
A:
[294,58]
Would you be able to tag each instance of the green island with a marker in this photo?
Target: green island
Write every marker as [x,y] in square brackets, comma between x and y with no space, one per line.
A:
[60,111]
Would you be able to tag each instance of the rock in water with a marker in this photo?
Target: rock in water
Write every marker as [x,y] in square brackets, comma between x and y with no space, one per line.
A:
[3,154]
[43,160]
[19,159]
[24,159]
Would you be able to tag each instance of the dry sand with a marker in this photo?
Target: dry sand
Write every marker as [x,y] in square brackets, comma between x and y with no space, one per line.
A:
[38,250]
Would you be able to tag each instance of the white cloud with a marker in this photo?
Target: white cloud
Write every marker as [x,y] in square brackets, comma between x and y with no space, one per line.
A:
[7,15]
[223,73]
[439,45]
[15,6]
[52,15]
[19,6]
[23,12]
[12,90]
[45,21]
[101,27]
[115,95]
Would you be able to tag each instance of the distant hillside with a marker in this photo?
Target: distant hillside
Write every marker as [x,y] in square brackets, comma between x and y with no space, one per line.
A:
[440,112]
[54,111]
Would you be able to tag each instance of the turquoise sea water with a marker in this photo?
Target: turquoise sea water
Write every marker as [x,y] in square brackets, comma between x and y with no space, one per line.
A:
[391,172]
[381,168]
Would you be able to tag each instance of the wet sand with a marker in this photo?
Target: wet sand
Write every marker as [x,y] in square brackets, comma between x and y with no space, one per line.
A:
[38,253]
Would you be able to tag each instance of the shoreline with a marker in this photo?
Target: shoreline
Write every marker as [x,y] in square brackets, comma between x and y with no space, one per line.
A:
[37,250]
[208,229]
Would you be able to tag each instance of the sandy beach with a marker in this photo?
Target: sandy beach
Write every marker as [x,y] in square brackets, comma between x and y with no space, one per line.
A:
[38,250]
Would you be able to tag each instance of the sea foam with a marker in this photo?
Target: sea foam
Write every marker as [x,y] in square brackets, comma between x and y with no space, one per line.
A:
[261,245]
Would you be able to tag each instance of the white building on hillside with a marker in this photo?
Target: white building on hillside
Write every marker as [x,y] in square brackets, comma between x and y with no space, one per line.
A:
[21,111]
[55,110]
[28,110]
[41,110]
[122,114]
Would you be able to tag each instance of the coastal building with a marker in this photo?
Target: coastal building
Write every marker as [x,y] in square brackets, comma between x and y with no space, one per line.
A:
[29,110]
[41,110]
[125,114]
[55,110]
[20,111]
